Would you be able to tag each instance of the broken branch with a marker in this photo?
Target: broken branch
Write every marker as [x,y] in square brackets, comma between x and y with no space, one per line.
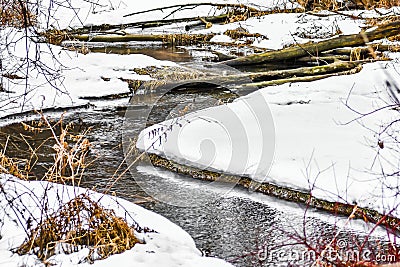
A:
[145,24]
[195,5]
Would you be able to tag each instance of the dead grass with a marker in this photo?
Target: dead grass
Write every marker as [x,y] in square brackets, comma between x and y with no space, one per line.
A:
[80,223]
[242,33]
[345,5]
[13,166]
[70,154]
[382,20]
[164,75]
[17,167]
[16,14]
[69,160]
[186,39]
[54,36]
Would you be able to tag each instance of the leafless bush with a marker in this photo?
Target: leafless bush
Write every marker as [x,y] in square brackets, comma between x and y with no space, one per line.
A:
[337,246]
[80,223]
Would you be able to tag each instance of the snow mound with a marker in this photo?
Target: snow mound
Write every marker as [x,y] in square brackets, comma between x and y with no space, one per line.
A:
[20,200]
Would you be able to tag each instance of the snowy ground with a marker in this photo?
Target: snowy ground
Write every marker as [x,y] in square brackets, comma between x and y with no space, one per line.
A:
[84,13]
[169,246]
[76,76]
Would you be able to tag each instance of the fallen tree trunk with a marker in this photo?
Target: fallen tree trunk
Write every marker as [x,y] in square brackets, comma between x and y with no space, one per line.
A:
[324,58]
[222,18]
[298,73]
[273,75]
[304,71]
[313,49]
[176,39]
[267,78]
[304,78]
[356,53]
[349,51]
[145,24]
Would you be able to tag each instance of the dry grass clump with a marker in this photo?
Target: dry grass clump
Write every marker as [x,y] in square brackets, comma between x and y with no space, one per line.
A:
[319,4]
[69,160]
[16,14]
[349,4]
[55,36]
[242,33]
[177,74]
[80,223]
[17,167]
[13,166]
[164,75]
[186,39]
[382,20]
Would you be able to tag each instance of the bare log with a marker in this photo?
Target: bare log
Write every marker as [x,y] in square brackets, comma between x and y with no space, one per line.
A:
[145,24]
[350,50]
[284,75]
[305,78]
[222,18]
[176,39]
[312,49]
[267,78]
[338,66]
[324,58]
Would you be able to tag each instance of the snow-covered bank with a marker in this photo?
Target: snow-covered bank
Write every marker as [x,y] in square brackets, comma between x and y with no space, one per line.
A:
[63,77]
[315,149]
[79,13]
[169,246]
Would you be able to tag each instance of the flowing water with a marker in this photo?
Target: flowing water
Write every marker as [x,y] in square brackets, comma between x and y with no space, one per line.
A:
[239,227]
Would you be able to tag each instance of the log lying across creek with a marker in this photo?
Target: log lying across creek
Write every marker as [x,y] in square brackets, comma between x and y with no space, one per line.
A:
[265,78]
[313,49]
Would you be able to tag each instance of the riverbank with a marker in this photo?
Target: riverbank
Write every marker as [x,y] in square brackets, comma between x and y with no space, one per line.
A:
[161,241]
[329,140]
